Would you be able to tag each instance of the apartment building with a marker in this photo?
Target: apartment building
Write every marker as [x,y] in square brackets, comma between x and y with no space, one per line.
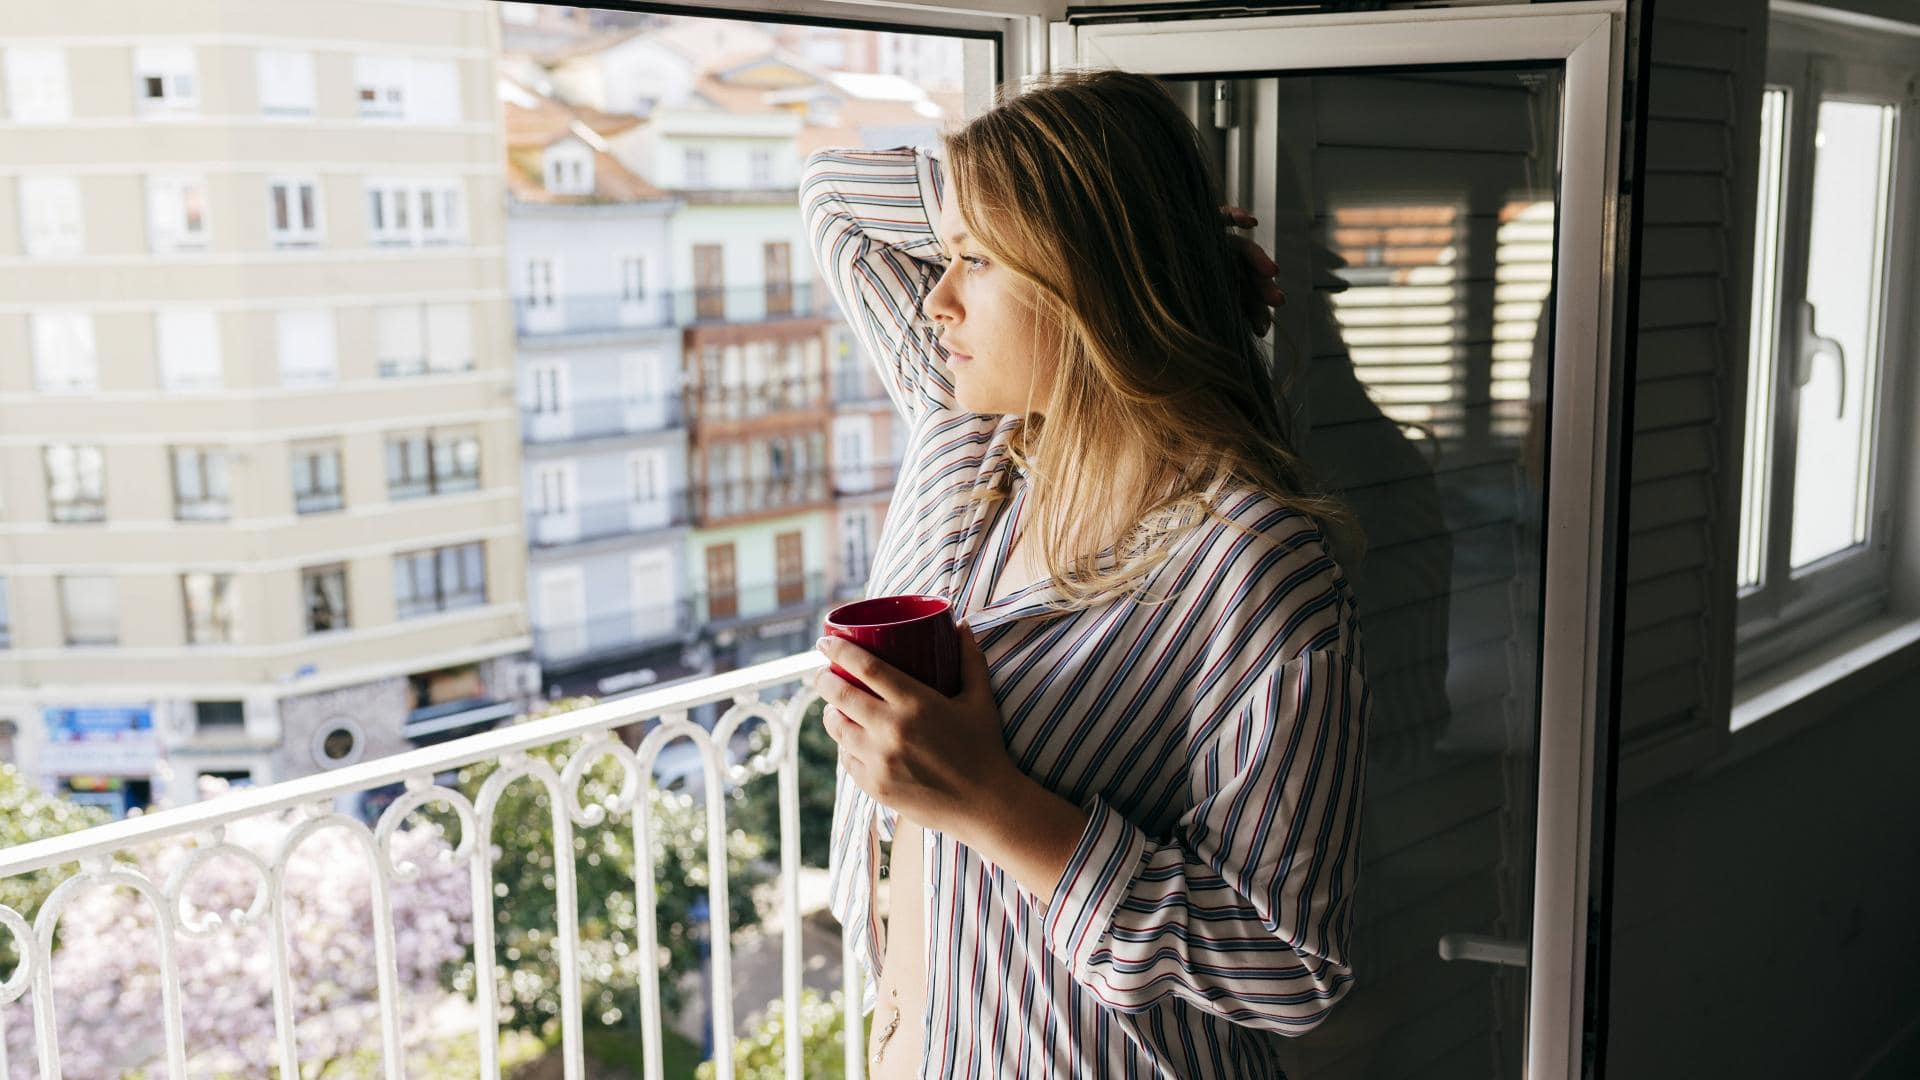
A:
[259,482]
[605,438]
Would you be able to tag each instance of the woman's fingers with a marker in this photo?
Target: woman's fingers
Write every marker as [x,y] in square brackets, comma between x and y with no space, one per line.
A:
[1239,217]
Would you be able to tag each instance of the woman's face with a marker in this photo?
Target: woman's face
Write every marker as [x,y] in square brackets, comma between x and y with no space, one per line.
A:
[994,339]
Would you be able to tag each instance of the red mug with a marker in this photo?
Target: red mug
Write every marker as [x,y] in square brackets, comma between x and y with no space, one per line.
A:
[916,634]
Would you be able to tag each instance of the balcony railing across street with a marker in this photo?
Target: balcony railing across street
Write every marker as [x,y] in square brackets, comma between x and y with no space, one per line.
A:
[97,851]
[572,313]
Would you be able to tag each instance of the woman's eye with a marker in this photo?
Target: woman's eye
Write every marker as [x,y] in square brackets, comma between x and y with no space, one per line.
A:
[974,262]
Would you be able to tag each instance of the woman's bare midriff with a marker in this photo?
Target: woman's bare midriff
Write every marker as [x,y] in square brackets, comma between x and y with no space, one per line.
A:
[903,975]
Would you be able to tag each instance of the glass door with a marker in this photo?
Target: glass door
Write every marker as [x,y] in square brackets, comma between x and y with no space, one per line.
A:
[1437,188]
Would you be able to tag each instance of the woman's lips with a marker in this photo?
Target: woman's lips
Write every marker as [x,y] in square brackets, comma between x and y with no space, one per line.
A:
[954,354]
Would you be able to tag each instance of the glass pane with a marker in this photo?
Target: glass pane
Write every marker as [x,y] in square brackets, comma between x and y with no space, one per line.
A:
[1756,458]
[1419,207]
[1846,256]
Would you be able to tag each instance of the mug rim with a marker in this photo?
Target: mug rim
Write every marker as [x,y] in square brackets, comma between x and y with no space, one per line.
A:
[833,616]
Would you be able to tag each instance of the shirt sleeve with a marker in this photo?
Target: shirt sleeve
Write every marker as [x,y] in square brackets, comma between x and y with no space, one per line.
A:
[1246,910]
[870,217]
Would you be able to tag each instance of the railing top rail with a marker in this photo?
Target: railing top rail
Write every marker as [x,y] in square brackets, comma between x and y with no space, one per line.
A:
[104,840]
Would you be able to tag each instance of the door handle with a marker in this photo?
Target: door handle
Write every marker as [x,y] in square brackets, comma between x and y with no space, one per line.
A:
[1811,346]
[1487,950]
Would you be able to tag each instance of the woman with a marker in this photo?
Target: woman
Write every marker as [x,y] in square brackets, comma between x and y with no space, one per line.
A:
[1128,845]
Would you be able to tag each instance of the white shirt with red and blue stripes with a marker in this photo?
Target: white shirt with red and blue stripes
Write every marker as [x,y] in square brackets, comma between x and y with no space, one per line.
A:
[1217,739]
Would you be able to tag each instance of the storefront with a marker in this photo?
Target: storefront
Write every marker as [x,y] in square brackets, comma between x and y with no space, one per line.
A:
[100,755]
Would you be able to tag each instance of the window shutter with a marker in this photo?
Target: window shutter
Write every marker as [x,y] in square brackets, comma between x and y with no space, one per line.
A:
[1683,503]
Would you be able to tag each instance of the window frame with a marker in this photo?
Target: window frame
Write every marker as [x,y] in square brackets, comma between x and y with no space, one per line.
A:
[285,108]
[47,69]
[442,559]
[213,468]
[56,201]
[89,503]
[1793,613]
[63,581]
[310,574]
[172,101]
[296,233]
[221,623]
[176,234]
[317,498]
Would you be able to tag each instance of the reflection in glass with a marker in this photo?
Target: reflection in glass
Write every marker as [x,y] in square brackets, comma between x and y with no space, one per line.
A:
[1422,207]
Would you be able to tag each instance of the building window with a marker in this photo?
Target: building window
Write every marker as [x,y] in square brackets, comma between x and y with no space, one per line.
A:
[439,579]
[790,568]
[647,477]
[306,346]
[548,381]
[165,79]
[415,213]
[177,213]
[6,619]
[316,478]
[200,484]
[325,591]
[418,339]
[90,610]
[761,165]
[1818,497]
[293,208]
[63,356]
[435,463]
[211,618]
[406,89]
[696,168]
[338,742]
[381,83]
[37,85]
[633,279]
[76,483]
[568,169]
[188,343]
[285,79]
[219,715]
[856,548]
[51,222]
[543,286]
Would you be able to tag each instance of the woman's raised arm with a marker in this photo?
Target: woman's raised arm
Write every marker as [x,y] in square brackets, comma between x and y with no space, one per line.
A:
[870,216]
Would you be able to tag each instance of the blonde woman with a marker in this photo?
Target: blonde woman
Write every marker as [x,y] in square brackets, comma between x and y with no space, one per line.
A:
[1128,846]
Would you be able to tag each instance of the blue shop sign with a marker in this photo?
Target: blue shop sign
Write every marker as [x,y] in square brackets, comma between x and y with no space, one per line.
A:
[89,723]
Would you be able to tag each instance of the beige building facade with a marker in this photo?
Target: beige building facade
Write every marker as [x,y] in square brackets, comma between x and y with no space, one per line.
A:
[259,451]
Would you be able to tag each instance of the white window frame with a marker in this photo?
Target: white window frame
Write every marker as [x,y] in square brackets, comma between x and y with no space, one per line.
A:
[326,371]
[284,81]
[53,222]
[183,372]
[632,273]
[177,67]
[399,209]
[38,90]
[1795,612]
[169,225]
[65,360]
[212,470]
[107,590]
[301,229]
[689,157]
[568,168]
[387,77]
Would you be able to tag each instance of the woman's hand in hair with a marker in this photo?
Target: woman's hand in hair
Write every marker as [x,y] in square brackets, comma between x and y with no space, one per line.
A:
[941,761]
[1259,292]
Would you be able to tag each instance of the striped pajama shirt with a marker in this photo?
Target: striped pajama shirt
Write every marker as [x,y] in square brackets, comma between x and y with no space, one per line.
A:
[1216,739]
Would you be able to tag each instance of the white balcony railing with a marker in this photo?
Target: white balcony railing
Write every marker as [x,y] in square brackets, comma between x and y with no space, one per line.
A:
[98,851]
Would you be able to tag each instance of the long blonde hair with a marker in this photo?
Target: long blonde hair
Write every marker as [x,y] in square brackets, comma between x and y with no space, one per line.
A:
[1094,187]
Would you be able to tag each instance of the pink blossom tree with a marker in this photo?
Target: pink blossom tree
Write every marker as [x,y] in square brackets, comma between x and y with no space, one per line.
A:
[107,979]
